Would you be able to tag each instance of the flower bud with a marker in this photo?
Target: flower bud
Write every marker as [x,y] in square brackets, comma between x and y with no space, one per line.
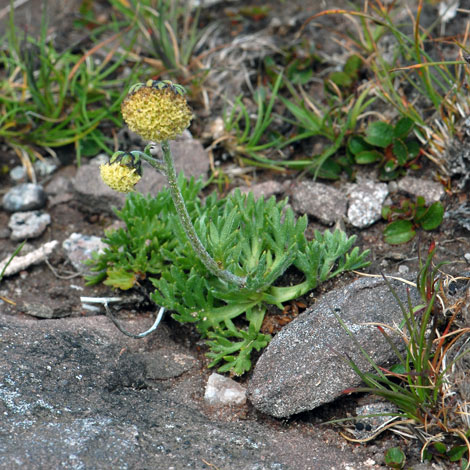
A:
[156,110]
[122,172]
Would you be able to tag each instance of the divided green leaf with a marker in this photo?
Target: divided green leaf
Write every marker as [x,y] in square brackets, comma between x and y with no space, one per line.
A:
[259,239]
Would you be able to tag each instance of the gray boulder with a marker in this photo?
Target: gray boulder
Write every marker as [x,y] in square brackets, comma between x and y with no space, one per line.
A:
[303,367]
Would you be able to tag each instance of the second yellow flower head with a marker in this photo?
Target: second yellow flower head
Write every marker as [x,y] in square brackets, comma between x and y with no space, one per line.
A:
[156,110]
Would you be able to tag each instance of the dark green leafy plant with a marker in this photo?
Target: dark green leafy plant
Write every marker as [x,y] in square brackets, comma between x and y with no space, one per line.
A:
[454,453]
[387,145]
[406,218]
[432,94]
[258,240]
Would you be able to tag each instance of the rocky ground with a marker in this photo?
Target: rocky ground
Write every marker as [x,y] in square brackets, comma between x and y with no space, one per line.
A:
[75,393]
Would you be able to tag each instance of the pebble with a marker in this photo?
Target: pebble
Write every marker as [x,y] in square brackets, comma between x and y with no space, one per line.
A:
[30,224]
[432,191]
[18,174]
[403,269]
[24,197]
[467,257]
[319,200]
[45,167]
[79,247]
[365,203]
[265,189]
[222,391]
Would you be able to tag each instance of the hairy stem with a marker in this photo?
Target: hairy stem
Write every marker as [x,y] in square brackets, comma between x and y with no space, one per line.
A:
[188,226]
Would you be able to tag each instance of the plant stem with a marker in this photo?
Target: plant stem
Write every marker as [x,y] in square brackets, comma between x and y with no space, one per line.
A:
[188,226]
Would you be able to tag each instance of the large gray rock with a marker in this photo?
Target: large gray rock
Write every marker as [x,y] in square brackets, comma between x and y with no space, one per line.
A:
[189,156]
[302,368]
[77,394]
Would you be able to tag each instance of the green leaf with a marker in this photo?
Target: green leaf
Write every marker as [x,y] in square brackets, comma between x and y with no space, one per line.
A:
[399,231]
[330,170]
[433,216]
[341,79]
[403,127]
[440,447]
[413,147]
[352,66]
[400,150]
[386,212]
[379,134]
[395,458]
[120,278]
[398,369]
[368,156]
[456,453]
[357,144]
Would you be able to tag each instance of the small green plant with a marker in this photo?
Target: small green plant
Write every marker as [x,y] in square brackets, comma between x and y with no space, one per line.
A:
[419,384]
[346,78]
[453,453]
[51,99]
[432,94]
[257,240]
[406,218]
[168,31]
[245,139]
[387,145]
[395,458]
[216,264]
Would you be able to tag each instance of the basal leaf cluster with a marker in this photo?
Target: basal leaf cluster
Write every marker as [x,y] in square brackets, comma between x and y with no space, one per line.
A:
[257,239]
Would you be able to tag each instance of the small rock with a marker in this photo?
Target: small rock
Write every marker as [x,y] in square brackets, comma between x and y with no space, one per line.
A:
[21,262]
[265,189]
[79,248]
[41,310]
[24,197]
[430,190]
[375,416]
[222,391]
[403,269]
[467,257]
[29,224]
[365,203]
[59,185]
[18,174]
[45,167]
[322,201]
[304,365]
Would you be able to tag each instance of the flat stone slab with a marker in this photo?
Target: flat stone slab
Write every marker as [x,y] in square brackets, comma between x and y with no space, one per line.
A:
[305,365]
[77,394]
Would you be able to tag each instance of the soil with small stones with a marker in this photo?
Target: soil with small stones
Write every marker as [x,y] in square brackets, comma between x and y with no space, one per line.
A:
[56,284]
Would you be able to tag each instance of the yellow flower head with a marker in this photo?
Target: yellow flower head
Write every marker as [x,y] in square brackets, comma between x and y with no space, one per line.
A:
[122,172]
[156,110]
